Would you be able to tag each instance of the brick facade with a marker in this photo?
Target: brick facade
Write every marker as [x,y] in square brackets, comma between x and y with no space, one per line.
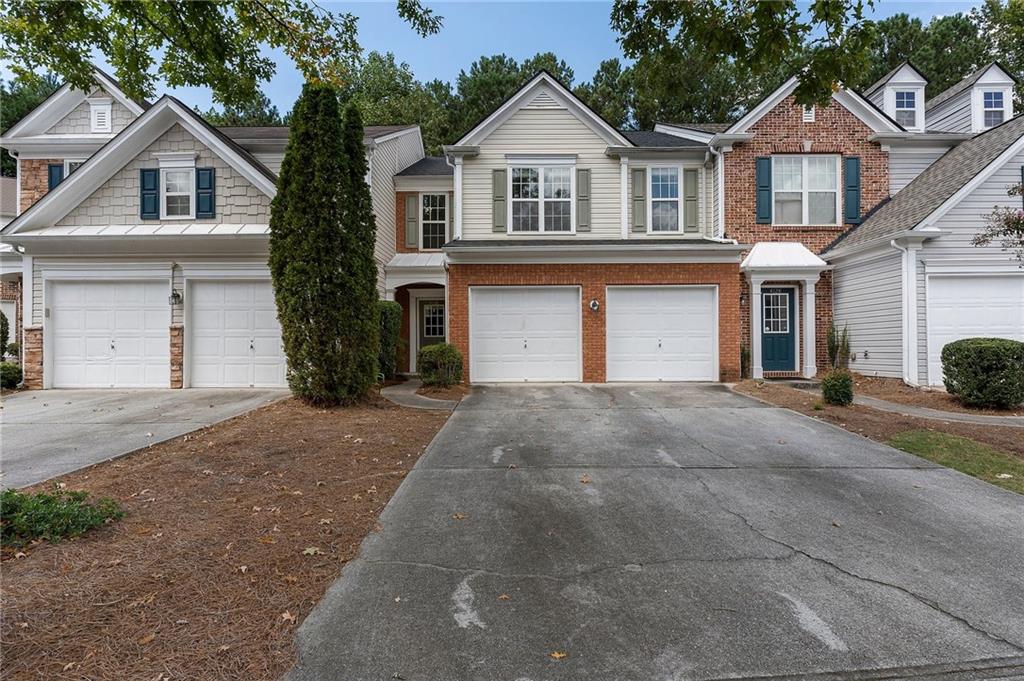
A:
[35,180]
[593,278]
[32,366]
[782,131]
[177,355]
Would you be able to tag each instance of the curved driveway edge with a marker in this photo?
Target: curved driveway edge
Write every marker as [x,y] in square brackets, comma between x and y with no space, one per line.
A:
[672,532]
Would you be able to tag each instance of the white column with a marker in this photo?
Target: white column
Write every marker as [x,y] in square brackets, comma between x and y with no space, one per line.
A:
[458,198]
[757,371]
[624,196]
[810,316]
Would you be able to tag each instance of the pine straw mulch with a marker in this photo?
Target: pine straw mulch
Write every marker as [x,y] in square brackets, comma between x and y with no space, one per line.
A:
[880,425]
[231,535]
[454,393]
[895,390]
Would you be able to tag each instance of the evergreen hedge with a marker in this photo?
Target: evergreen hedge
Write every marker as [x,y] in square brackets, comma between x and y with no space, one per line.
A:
[985,372]
[837,387]
[390,326]
[321,253]
[440,365]
[5,332]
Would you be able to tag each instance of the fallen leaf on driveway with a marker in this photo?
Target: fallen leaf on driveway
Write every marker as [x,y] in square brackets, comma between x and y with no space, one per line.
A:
[312,551]
[504,597]
[585,479]
[835,523]
[458,516]
[288,617]
[558,655]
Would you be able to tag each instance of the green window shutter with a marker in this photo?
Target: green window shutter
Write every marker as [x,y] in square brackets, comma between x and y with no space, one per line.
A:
[639,195]
[690,221]
[1022,185]
[851,190]
[149,194]
[583,200]
[54,175]
[412,220]
[764,190]
[498,200]
[206,179]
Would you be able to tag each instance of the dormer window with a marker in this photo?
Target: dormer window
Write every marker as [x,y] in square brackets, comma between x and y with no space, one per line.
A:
[906,108]
[993,108]
[100,115]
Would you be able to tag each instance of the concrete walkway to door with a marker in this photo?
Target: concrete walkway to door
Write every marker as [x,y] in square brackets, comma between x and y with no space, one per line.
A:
[655,532]
[46,433]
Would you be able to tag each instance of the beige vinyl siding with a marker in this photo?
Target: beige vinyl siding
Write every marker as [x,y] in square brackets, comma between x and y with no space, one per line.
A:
[867,298]
[878,97]
[37,294]
[389,157]
[962,222]
[272,160]
[545,130]
[908,162]
[116,201]
[78,121]
[953,115]
[178,284]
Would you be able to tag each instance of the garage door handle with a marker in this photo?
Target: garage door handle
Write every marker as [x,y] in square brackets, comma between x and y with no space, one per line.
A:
[111,345]
[659,342]
[524,342]
[252,345]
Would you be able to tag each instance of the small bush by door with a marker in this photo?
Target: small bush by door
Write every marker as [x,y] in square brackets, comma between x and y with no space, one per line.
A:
[440,365]
[837,387]
[985,372]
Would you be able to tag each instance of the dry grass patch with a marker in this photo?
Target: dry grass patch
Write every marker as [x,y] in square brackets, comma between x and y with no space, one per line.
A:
[230,536]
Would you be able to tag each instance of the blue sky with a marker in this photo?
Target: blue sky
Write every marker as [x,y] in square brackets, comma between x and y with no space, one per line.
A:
[577,32]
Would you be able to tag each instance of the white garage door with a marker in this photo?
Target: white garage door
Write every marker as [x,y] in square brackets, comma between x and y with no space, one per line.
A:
[524,334]
[235,340]
[110,334]
[661,333]
[966,307]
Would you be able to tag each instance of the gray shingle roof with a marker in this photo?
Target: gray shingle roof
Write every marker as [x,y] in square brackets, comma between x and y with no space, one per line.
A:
[958,88]
[885,79]
[650,138]
[273,133]
[703,127]
[427,166]
[938,182]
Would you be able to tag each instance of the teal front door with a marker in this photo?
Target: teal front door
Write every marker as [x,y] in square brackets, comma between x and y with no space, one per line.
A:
[778,332]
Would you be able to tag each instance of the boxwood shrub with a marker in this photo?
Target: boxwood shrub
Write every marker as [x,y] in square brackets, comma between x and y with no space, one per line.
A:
[10,375]
[837,387]
[390,324]
[985,372]
[51,515]
[440,365]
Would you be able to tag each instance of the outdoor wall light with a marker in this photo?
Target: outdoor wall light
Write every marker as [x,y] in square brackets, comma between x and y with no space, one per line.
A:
[175,298]
[595,305]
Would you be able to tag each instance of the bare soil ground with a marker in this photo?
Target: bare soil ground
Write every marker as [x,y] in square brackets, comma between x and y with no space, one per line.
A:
[895,390]
[880,425]
[455,392]
[231,535]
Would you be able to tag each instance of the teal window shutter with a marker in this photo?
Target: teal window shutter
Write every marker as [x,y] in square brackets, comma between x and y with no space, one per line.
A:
[639,196]
[764,190]
[690,199]
[583,200]
[205,190]
[851,190]
[54,175]
[149,194]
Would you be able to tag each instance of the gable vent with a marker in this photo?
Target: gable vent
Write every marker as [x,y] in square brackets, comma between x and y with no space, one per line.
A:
[543,101]
[99,115]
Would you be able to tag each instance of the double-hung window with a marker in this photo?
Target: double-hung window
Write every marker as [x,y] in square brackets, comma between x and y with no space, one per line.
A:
[541,199]
[71,165]
[665,199]
[177,191]
[805,190]
[906,108]
[434,221]
[993,108]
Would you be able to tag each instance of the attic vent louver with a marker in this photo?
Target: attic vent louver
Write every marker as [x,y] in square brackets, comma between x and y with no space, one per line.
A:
[544,101]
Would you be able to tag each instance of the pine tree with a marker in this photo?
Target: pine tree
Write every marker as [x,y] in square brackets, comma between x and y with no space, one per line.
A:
[316,230]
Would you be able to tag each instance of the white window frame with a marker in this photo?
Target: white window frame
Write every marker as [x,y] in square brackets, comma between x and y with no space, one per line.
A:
[97,106]
[897,108]
[985,109]
[67,165]
[447,208]
[191,193]
[541,168]
[679,197]
[806,206]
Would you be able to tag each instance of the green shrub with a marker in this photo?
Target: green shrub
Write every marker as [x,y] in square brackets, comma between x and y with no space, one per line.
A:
[13,349]
[985,372]
[744,361]
[837,387]
[440,365]
[837,346]
[390,325]
[51,515]
[5,331]
[10,375]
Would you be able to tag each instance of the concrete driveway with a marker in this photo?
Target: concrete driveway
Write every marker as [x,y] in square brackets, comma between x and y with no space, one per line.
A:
[673,532]
[48,433]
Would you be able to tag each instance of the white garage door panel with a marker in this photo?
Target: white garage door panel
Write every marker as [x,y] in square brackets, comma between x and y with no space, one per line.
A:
[966,307]
[661,334]
[525,334]
[110,334]
[235,337]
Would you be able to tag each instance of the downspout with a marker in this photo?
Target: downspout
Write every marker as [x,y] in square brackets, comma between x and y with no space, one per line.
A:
[720,197]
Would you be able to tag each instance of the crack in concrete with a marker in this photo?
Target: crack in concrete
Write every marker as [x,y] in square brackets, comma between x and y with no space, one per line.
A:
[934,605]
